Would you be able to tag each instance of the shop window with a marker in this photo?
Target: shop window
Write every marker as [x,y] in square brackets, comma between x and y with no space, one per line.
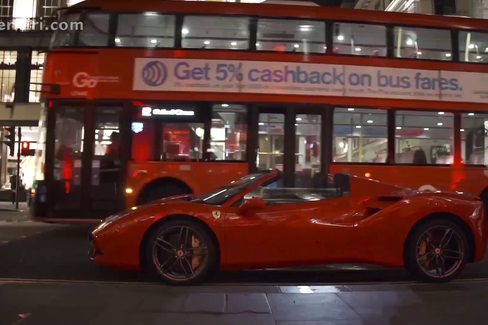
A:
[271,141]
[474,137]
[200,32]
[27,163]
[360,39]
[360,135]
[7,90]
[307,149]
[228,134]
[38,58]
[445,7]
[423,43]
[284,35]
[473,47]
[424,138]
[40,157]
[8,57]
[145,30]
[6,7]
[95,30]
[35,87]
[48,7]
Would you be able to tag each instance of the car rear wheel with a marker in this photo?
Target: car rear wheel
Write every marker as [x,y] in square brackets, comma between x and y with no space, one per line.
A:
[181,252]
[436,251]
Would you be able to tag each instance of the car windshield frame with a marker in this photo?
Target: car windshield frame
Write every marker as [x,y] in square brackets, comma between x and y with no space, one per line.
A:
[223,194]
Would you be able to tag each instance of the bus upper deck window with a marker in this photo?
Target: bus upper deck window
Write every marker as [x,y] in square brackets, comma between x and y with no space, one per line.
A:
[95,30]
[359,39]
[66,37]
[231,33]
[423,43]
[284,35]
[473,47]
[152,30]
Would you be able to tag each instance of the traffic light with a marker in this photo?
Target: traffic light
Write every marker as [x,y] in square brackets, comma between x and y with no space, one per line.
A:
[10,135]
[26,150]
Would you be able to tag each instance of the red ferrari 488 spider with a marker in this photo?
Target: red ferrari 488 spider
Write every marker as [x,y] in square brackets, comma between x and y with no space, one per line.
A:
[254,223]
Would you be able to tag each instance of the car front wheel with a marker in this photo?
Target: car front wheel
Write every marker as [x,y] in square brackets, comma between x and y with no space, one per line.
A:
[181,252]
[436,251]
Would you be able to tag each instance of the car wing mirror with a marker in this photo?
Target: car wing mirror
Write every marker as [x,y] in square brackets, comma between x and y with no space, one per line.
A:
[253,205]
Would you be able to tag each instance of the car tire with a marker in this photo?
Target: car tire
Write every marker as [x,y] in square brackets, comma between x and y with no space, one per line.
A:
[435,252]
[160,192]
[200,233]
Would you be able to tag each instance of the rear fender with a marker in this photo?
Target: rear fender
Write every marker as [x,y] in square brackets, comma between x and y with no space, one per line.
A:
[384,233]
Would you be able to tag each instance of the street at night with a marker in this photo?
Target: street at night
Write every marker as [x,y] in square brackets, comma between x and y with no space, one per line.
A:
[47,278]
[243,162]
[31,250]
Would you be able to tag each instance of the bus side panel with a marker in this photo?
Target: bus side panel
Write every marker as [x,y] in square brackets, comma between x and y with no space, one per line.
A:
[200,177]
[443,178]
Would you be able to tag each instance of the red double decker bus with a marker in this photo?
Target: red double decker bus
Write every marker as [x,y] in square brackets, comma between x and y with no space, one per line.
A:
[157,98]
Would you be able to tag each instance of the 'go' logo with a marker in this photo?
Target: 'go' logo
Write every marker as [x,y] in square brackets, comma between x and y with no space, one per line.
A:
[154,73]
[83,79]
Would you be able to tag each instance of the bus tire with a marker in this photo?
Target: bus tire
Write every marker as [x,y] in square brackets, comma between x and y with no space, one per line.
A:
[155,193]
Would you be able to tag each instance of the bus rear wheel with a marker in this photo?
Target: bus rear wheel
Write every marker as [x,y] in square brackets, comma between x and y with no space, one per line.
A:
[162,191]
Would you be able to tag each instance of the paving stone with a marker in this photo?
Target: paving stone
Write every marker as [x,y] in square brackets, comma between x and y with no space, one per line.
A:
[62,316]
[229,319]
[325,322]
[314,289]
[248,303]
[205,303]
[162,303]
[303,307]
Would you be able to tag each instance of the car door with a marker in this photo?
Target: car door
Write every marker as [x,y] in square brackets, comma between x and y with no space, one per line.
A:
[283,234]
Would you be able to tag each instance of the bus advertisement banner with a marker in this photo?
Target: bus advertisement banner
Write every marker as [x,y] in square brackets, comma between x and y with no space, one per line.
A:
[308,79]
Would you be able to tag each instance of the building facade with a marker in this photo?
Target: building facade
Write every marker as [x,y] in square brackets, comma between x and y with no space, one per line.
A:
[23,42]
[466,8]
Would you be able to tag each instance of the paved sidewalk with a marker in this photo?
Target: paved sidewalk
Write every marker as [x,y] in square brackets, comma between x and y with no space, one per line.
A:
[52,303]
[9,208]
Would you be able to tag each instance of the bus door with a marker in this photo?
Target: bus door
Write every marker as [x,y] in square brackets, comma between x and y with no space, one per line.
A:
[67,161]
[108,161]
[289,139]
[271,139]
[88,162]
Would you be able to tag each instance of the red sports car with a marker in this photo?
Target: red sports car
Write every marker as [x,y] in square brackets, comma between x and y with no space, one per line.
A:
[256,223]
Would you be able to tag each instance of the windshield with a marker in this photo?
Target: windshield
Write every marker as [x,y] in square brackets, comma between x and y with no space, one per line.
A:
[221,195]
[66,36]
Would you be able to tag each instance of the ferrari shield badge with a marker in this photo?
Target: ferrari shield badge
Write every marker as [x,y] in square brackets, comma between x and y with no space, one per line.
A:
[216,214]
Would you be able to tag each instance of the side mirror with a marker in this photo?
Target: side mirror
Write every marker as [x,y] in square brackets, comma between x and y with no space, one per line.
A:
[254,204]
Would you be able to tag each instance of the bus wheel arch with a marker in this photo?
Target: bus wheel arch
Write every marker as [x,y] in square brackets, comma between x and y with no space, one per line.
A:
[162,187]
